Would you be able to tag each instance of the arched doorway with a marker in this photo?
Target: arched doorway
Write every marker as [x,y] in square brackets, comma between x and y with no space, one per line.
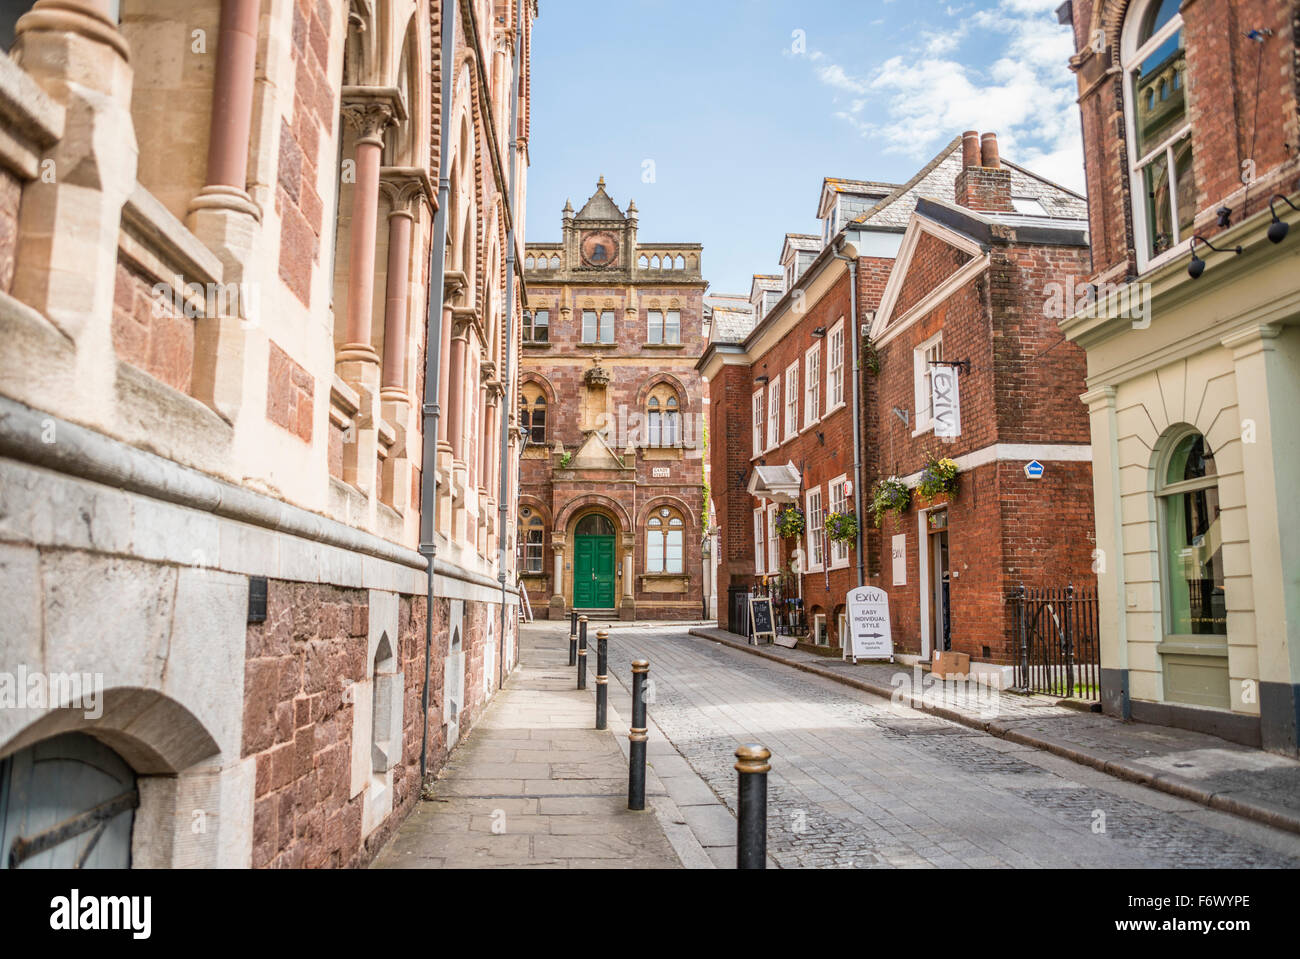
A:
[67,802]
[594,563]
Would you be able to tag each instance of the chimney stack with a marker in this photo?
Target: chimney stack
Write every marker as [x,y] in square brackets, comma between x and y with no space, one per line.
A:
[983,182]
[989,151]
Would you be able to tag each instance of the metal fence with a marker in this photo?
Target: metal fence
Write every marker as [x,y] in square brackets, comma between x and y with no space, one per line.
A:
[1060,646]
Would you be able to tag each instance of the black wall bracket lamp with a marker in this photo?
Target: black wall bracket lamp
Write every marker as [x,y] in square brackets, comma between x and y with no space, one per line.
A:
[1277,230]
[1197,266]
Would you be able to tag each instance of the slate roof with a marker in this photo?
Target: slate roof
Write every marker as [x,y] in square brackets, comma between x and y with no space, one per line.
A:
[731,324]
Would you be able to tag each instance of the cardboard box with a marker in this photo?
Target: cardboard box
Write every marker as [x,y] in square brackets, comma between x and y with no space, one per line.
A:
[950,665]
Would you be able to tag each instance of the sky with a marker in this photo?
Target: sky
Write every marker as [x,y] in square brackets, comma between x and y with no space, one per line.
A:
[721,117]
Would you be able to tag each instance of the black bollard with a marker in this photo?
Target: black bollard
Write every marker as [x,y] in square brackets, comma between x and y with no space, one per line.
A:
[573,640]
[637,737]
[751,824]
[582,652]
[602,680]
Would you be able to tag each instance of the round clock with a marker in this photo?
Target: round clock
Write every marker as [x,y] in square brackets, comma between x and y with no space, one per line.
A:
[599,249]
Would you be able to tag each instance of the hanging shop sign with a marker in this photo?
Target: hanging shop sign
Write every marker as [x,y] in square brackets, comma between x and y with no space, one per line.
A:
[945,401]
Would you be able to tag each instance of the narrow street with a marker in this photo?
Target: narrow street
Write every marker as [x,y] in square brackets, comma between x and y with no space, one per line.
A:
[859,783]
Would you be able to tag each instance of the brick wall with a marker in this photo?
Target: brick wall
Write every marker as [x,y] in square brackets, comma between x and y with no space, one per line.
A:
[149,332]
[289,394]
[1229,126]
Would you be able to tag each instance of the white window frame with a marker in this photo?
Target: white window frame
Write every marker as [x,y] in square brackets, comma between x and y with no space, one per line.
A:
[812,385]
[834,367]
[1130,56]
[839,551]
[931,349]
[773,543]
[756,410]
[774,413]
[792,400]
[760,522]
[814,520]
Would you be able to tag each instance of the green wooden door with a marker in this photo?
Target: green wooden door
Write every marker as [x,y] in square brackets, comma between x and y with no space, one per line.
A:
[593,572]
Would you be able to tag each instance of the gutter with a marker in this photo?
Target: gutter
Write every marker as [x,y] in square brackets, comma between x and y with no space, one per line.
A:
[856,401]
[432,414]
[511,199]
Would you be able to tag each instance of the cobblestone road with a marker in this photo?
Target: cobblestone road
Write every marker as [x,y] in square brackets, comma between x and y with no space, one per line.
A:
[858,782]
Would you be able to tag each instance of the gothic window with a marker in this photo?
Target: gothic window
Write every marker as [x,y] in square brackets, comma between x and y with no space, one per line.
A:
[665,542]
[531,533]
[663,417]
[1159,134]
[532,413]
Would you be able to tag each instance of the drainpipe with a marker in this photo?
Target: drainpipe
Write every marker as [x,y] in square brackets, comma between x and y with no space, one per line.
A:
[849,254]
[503,482]
[433,360]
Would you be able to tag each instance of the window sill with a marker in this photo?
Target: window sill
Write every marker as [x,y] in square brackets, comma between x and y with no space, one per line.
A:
[598,346]
[835,409]
[1190,646]
[922,430]
[810,426]
[663,346]
[533,345]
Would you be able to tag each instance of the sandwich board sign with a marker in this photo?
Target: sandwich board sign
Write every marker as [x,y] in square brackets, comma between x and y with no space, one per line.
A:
[761,621]
[869,636]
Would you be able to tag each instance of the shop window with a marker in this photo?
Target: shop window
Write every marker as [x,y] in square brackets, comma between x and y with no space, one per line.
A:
[1193,541]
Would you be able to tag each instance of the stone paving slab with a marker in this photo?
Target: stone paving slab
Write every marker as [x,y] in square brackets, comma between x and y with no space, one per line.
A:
[1195,766]
[533,785]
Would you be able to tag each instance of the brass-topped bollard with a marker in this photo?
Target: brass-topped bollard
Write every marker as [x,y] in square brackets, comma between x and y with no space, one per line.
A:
[751,823]
[582,652]
[637,737]
[573,639]
[602,680]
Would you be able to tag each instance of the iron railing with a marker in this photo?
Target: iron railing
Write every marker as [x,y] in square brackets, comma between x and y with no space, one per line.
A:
[1060,645]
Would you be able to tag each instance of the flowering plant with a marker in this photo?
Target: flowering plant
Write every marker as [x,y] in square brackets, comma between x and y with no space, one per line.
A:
[889,496]
[789,522]
[842,527]
[938,476]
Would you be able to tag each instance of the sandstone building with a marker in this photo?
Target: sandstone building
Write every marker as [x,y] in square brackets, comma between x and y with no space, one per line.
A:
[218,268]
[611,501]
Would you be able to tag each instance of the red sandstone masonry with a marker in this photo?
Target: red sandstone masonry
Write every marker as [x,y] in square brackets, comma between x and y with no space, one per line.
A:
[289,394]
[149,333]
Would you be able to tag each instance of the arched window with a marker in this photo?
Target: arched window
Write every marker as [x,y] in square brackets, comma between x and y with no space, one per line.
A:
[665,542]
[531,538]
[1159,133]
[555,262]
[663,417]
[532,413]
[595,524]
[1193,540]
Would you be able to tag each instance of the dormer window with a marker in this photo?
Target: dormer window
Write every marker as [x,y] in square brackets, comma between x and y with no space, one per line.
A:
[1159,134]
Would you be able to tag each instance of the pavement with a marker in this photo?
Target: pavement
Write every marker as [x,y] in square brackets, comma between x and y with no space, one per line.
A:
[535,785]
[1205,769]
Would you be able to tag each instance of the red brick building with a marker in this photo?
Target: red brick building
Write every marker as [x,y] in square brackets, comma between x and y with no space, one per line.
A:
[952,265]
[611,506]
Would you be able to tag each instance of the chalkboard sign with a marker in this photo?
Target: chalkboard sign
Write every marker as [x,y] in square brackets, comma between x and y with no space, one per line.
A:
[761,620]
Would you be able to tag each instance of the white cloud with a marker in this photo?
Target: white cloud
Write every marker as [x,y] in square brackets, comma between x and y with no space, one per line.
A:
[919,99]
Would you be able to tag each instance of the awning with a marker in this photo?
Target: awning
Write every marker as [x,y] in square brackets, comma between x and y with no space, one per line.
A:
[780,484]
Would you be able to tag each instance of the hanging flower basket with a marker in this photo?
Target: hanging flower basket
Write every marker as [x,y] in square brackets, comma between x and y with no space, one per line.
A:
[938,478]
[789,522]
[842,527]
[889,496]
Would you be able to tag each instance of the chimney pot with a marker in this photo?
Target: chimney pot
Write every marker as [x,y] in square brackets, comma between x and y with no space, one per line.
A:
[970,148]
[989,151]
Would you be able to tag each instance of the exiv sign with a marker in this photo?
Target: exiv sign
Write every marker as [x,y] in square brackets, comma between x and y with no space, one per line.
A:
[945,401]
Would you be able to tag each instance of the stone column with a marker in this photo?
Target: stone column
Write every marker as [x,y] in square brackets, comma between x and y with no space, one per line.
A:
[232,112]
[627,608]
[455,409]
[369,117]
[397,287]
[557,604]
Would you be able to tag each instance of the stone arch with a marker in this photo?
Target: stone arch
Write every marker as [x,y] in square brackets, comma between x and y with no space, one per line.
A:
[685,403]
[541,381]
[153,733]
[593,502]
[409,140]
[361,55]
[676,502]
